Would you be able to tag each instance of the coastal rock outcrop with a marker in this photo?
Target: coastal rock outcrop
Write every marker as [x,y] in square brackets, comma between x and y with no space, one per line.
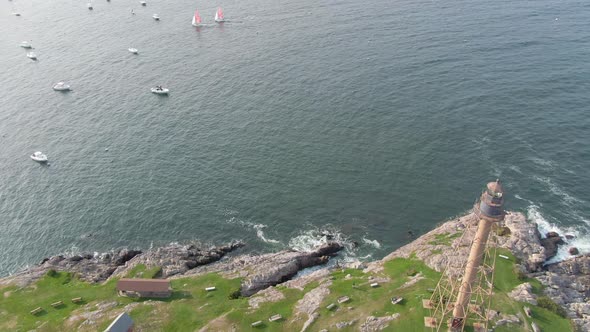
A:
[262,271]
[177,259]
[100,267]
[523,293]
[551,243]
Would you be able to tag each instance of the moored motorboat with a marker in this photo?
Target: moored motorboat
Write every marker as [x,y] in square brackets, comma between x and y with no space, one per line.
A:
[16,13]
[90,6]
[143,3]
[133,50]
[159,90]
[32,55]
[39,156]
[156,17]
[25,44]
[61,86]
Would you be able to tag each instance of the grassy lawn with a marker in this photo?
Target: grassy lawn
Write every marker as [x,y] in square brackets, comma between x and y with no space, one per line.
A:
[141,271]
[191,307]
[365,300]
[18,302]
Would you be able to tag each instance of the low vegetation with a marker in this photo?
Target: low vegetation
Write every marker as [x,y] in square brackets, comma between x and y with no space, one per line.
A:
[444,239]
[191,307]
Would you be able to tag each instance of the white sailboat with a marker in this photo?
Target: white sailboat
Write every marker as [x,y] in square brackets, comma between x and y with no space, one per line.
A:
[219,15]
[25,44]
[156,17]
[196,19]
[132,50]
[32,55]
[90,6]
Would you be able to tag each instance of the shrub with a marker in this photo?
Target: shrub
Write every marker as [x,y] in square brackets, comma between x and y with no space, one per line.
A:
[235,294]
[547,303]
[52,273]
[411,272]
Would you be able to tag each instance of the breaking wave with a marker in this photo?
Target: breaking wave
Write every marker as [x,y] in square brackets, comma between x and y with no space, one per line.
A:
[580,238]
[259,228]
[373,243]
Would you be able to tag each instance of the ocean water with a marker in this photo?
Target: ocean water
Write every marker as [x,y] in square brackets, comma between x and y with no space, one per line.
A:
[362,119]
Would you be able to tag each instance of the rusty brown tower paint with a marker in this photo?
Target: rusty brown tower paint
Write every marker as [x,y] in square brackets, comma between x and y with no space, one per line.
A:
[490,211]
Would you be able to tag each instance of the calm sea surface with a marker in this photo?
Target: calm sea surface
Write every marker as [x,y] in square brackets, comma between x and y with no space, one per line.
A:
[367,119]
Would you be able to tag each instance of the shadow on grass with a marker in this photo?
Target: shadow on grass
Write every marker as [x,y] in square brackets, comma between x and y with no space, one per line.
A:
[177,295]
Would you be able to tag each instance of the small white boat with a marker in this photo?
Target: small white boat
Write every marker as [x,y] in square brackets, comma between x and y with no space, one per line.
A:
[219,15]
[156,17]
[39,156]
[16,13]
[61,86]
[159,90]
[25,44]
[196,19]
[132,50]
[89,6]
[143,3]
[32,55]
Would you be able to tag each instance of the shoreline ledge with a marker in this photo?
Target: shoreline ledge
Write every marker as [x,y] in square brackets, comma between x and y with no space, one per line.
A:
[567,283]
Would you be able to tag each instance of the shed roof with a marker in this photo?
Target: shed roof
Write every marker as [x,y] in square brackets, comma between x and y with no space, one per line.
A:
[143,285]
[121,324]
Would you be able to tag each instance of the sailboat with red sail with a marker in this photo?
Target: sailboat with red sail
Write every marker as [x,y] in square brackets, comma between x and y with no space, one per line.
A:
[196,19]
[219,15]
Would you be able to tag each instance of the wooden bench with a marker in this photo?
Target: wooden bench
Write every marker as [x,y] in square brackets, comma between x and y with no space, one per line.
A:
[373,285]
[36,311]
[210,289]
[343,299]
[57,304]
[275,318]
[331,306]
[77,300]
[256,323]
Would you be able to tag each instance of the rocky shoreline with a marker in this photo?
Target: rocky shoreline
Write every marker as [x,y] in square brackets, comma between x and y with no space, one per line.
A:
[179,260]
[567,283]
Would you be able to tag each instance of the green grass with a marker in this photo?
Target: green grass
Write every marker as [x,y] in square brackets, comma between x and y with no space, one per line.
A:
[366,300]
[141,271]
[444,239]
[191,307]
[60,287]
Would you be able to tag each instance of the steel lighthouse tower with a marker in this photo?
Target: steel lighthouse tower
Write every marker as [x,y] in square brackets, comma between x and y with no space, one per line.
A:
[490,212]
[463,293]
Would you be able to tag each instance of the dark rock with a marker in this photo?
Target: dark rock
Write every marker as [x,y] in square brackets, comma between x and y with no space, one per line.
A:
[124,256]
[44,260]
[550,244]
[272,269]
[574,251]
[55,259]
[328,249]
[75,258]
[87,256]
